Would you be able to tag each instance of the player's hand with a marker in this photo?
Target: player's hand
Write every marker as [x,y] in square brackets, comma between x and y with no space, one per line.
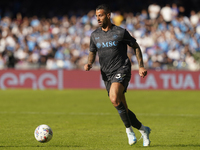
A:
[142,72]
[87,67]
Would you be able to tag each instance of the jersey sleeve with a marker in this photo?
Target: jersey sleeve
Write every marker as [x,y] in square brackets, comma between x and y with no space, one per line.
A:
[93,47]
[128,39]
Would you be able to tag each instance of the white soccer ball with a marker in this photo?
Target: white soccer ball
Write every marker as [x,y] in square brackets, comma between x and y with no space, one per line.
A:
[43,133]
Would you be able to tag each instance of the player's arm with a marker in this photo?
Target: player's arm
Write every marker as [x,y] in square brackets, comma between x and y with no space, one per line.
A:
[91,59]
[138,53]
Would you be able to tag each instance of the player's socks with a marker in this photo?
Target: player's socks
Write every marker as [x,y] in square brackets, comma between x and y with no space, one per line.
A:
[134,121]
[131,136]
[142,129]
[123,114]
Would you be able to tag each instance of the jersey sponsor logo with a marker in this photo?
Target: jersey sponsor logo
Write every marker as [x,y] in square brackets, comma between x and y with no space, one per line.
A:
[107,44]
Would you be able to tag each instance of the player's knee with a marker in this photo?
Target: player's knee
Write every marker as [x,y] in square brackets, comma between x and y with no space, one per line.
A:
[114,100]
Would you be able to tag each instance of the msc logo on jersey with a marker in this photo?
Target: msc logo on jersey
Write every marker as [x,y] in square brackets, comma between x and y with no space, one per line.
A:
[107,44]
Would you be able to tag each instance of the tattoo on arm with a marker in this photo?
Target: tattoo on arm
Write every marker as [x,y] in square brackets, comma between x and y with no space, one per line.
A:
[138,54]
[91,57]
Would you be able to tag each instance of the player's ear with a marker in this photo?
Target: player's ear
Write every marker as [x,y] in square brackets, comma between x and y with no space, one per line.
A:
[108,15]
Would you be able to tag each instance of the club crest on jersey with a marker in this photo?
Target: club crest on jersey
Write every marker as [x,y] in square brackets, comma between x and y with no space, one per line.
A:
[115,36]
[98,45]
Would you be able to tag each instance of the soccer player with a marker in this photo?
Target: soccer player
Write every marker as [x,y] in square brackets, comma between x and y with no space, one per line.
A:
[110,41]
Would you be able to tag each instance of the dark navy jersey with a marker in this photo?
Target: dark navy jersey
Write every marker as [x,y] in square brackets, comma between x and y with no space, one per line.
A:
[111,47]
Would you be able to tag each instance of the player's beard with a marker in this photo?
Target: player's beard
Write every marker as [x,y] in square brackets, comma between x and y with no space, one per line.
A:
[104,23]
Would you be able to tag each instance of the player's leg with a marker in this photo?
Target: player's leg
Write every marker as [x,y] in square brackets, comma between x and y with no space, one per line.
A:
[116,95]
[134,121]
[145,131]
[123,99]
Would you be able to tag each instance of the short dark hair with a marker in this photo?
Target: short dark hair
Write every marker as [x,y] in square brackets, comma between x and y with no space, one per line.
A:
[105,7]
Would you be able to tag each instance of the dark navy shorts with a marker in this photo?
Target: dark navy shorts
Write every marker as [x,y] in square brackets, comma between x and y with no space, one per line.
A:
[120,78]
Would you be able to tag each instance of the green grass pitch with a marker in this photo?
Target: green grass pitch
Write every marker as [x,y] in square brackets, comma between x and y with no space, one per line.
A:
[86,119]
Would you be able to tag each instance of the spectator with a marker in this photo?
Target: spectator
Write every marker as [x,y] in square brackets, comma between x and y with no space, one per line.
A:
[190,61]
[117,18]
[175,10]
[194,18]
[167,13]
[173,54]
[153,11]
[2,62]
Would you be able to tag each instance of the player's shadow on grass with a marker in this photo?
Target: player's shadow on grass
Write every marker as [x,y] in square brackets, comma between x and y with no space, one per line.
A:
[178,145]
[69,146]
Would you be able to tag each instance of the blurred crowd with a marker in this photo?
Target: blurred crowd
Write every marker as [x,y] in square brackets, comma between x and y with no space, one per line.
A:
[168,39]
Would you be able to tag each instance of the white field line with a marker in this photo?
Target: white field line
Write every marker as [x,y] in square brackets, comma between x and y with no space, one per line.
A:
[99,114]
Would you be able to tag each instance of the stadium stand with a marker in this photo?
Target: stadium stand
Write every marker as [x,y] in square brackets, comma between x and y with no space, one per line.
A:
[56,36]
